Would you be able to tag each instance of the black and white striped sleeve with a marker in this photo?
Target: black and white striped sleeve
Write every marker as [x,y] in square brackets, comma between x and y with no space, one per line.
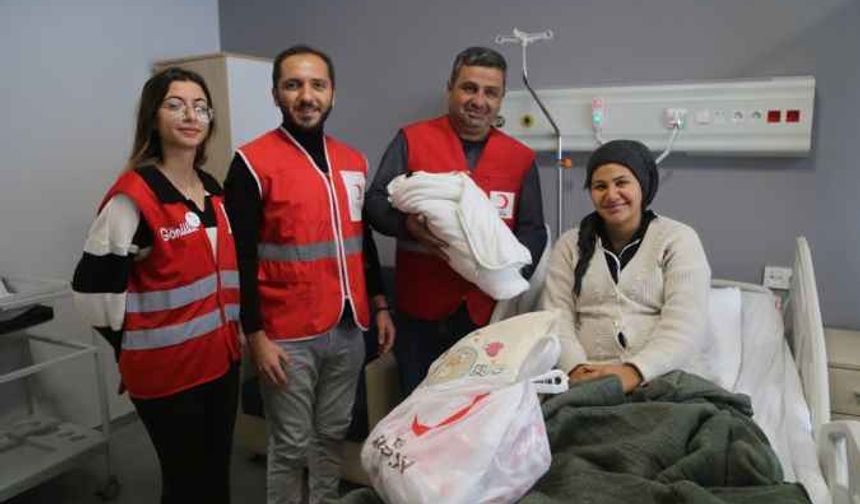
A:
[100,282]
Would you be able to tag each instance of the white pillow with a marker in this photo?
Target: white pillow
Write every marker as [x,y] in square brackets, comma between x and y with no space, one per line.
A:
[723,351]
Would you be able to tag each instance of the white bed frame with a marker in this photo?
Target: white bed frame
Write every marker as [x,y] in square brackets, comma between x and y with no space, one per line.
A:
[839,457]
[838,441]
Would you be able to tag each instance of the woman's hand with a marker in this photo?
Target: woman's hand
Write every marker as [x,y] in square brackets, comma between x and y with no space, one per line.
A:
[627,373]
[583,372]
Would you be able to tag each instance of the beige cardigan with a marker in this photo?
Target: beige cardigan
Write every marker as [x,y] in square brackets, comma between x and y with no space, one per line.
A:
[659,303]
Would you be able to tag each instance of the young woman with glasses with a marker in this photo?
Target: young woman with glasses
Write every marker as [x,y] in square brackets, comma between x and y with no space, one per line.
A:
[158,280]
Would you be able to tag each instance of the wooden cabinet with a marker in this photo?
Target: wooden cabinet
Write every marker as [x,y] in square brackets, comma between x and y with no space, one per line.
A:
[241,88]
[843,361]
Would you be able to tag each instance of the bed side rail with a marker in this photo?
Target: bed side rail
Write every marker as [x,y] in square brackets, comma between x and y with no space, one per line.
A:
[839,457]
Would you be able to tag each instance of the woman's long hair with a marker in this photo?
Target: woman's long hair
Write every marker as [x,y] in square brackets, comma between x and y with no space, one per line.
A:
[585,243]
[147,141]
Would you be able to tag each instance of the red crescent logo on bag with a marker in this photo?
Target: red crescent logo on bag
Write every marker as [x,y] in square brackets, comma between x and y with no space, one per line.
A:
[420,429]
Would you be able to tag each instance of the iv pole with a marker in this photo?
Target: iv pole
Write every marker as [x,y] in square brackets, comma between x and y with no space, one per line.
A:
[524,39]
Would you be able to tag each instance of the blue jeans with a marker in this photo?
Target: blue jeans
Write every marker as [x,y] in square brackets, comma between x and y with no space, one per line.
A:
[420,342]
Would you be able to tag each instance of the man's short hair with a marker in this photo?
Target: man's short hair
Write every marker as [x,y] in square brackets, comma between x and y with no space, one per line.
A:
[300,49]
[477,56]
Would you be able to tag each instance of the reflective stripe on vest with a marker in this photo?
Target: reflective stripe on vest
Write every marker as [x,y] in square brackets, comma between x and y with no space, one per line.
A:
[232,311]
[141,302]
[311,252]
[147,339]
[229,279]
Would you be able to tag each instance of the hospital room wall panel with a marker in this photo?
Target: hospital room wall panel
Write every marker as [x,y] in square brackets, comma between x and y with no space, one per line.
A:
[72,74]
[393,59]
[829,50]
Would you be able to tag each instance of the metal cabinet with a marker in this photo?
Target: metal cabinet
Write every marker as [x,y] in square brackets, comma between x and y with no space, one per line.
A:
[35,444]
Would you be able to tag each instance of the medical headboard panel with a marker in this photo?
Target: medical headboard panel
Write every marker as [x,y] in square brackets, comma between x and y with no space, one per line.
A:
[754,117]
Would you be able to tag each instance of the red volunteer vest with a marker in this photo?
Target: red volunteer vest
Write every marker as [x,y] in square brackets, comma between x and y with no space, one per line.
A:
[427,288]
[182,304]
[310,246]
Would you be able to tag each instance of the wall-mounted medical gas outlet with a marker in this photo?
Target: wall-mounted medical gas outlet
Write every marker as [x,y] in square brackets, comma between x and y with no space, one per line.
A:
[675,118]
[762,117]
[776,277]
[598,112]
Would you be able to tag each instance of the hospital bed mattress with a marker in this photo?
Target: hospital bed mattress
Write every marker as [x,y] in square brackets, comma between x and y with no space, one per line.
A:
[769,376]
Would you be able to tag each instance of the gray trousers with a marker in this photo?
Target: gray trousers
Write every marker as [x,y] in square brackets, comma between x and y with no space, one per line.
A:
[308,419]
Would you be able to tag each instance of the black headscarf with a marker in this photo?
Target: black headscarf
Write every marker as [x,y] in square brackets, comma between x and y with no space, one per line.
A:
[635,156]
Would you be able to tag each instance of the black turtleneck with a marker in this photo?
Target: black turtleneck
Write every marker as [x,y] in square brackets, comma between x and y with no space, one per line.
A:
[311,141]
[245,208]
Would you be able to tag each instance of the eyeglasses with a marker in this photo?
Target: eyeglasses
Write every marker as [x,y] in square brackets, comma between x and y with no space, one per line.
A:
[178,109]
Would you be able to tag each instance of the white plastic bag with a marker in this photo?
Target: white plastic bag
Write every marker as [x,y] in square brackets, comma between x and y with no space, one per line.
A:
[461,442]
[515,349]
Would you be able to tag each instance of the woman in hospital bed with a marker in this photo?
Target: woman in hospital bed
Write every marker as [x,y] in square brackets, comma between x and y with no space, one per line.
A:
[631,285]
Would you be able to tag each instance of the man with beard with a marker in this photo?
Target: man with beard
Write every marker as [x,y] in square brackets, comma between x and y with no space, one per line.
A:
[294,196]
[435,305]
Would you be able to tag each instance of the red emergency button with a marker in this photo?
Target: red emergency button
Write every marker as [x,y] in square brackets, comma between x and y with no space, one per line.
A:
[792,116]
[774,116]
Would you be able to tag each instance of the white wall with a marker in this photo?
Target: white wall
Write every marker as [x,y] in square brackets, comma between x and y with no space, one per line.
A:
[72,73]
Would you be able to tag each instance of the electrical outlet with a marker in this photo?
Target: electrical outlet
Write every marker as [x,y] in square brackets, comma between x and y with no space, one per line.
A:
[776,277]
[675,117]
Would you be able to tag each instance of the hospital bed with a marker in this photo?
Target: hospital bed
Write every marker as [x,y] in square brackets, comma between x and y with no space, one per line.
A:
[783,369]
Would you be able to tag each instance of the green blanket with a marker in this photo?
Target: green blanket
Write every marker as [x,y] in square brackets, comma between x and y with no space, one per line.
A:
[678,439]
